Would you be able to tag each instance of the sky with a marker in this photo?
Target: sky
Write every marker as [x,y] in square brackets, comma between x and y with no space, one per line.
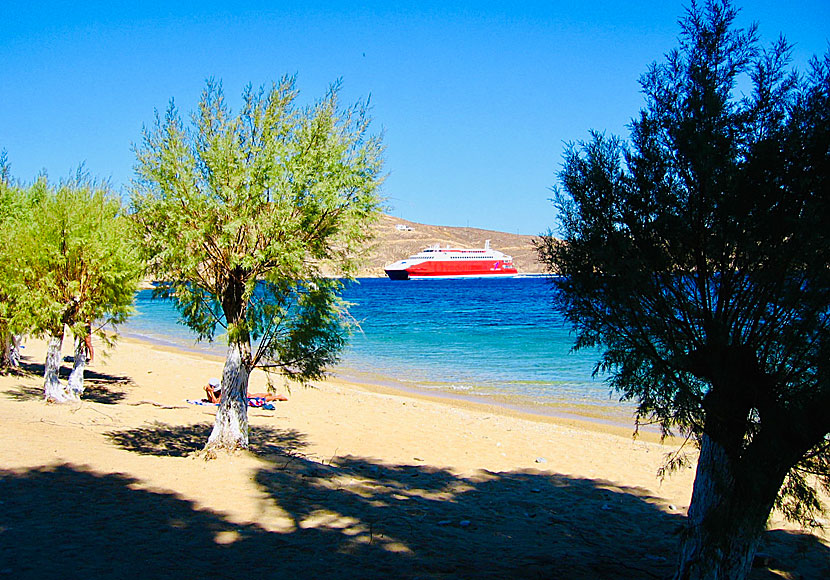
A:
[476,100]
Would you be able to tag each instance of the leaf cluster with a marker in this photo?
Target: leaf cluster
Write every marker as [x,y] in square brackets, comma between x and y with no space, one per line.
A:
[696,253]
[242,215]
[71,258]
[17,204]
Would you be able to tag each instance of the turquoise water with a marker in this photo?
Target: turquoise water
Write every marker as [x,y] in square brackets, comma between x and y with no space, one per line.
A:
[496,340]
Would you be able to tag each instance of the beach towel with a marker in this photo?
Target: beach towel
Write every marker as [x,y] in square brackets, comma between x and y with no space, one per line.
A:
[258,402]
[200,402]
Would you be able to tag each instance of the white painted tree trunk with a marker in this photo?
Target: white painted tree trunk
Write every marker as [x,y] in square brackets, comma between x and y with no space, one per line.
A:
[15,350]
[230,430]
[725,525]
[53,390]
[76,377]
[11,350]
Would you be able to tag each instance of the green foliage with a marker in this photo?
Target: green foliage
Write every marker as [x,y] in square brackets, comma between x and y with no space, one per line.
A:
[242,217]
[5,168]
[16,206]
[696,255]
[78,259]
[309,330]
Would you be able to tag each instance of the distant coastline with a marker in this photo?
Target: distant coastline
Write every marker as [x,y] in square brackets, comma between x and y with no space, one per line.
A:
[396,238]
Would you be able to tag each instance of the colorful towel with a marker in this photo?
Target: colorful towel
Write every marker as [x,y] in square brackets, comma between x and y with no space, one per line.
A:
[200,402]
[258,402]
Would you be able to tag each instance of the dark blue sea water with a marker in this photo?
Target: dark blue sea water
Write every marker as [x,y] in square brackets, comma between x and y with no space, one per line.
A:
[497,340]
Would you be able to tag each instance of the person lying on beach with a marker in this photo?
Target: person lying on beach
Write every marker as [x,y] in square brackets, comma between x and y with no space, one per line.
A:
[90,352]
[213,390]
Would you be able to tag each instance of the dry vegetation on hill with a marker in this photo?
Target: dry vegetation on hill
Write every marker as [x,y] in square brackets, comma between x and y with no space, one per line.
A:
[393,244]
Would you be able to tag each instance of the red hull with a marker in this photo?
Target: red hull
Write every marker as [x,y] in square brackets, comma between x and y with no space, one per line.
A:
[437,262]
[465,268]
[461,268]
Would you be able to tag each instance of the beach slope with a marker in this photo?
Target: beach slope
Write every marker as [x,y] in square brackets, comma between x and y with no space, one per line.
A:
[343,481]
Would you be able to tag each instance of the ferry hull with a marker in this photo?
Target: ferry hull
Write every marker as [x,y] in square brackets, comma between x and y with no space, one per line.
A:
[437,262]
[451,276]
[397,274]
[451,270]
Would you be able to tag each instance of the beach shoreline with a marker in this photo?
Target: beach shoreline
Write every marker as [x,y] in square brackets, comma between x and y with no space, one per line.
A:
[612,417]
[496,342]
[347,479]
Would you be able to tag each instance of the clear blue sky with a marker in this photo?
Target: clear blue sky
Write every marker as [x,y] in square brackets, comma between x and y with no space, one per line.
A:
[476,98]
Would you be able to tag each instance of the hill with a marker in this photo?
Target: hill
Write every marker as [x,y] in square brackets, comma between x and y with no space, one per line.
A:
[397,238]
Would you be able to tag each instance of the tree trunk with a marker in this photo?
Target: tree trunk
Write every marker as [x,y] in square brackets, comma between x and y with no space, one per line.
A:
[53,390]
[728,513]
[8,350]
[76,377]
[10,357]
[14,356]
[230,430]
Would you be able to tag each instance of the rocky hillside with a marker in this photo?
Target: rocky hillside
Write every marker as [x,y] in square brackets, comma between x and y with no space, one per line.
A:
[398,238]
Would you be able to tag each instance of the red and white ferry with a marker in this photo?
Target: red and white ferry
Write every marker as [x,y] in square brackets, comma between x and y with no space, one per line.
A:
[438,262]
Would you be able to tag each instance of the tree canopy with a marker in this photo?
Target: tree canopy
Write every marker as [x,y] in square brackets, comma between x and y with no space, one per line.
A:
[245,219]
[696,256]
[79,265]
[16,204]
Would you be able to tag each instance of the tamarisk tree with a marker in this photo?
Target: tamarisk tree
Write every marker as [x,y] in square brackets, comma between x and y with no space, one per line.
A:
[697,257]
[81,270]
[245,218]
[15,207]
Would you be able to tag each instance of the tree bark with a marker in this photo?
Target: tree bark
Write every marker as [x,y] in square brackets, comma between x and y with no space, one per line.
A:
[76,377]
[14,356]
[6,360]
[728,513]
[230,429]
[10,357]
[53,390]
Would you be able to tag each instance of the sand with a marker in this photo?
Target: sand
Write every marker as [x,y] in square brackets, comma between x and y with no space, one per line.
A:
[343,481]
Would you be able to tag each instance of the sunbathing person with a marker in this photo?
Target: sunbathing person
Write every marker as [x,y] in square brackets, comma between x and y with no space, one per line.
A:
[213,390]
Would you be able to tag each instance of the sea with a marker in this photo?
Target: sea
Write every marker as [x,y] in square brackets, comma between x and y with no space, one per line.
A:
[492,340]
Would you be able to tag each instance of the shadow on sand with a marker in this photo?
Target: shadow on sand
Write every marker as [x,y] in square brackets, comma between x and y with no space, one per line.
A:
[354,518]
[161,439]
[98,387]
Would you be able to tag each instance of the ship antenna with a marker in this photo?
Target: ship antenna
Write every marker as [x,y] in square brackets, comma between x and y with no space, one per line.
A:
[487,244]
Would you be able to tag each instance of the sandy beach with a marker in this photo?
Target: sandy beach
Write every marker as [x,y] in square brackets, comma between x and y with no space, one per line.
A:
[343,481]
